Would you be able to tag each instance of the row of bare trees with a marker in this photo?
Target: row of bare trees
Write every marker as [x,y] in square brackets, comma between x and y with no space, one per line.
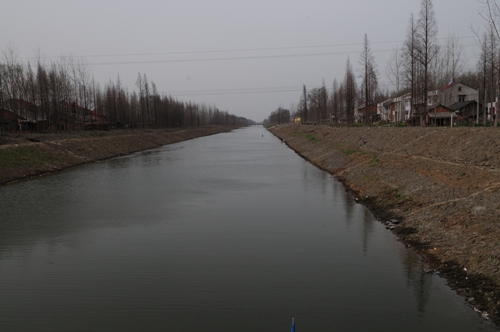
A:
[279,116]
[319,105]
[419,65]
[47,89]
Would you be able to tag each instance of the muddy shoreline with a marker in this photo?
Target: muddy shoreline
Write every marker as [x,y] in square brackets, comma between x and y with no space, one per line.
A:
[440,187]
[24,156]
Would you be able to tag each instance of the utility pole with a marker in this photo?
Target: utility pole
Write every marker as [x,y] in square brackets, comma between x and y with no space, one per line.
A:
[477,112]
[485,107]
[496,107]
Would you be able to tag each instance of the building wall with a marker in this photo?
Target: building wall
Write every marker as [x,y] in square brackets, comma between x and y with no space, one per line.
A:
[456,93]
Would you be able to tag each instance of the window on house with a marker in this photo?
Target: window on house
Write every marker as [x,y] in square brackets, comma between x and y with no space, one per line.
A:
[459,88]
[461,98]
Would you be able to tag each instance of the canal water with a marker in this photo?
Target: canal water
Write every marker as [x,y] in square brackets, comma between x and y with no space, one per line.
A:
[231,232]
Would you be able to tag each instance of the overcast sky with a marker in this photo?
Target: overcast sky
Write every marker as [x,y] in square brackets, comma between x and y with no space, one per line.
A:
[236,55]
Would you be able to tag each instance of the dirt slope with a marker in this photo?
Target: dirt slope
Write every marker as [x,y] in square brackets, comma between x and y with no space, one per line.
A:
[23,156]
[442,184]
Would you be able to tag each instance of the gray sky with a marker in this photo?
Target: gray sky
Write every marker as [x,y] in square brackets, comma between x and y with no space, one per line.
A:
[210,51]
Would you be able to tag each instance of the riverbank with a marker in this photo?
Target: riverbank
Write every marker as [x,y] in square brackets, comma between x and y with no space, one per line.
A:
[440,186]
[29,155]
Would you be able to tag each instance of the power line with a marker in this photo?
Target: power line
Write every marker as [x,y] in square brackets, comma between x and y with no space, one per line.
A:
[235,58]
[281,56]
[278,89]
[234,50]
[239,91]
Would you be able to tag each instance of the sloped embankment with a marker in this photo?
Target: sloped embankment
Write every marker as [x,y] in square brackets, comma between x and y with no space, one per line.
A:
[442,184]
[47,153]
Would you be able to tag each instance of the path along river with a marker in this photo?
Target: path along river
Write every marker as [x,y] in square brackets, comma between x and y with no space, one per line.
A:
[231,232]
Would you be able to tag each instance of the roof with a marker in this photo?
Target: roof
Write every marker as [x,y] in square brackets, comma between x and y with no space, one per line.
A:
[460,105]
[441,115]
[19,102]
[361,106]
[6,114]
[431,108]
[388,102]
[75,106]
[446,87]
[433,113]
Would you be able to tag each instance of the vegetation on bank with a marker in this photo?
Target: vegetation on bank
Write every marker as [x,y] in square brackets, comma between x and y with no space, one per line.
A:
[417,69]
[23,156]
[62,95]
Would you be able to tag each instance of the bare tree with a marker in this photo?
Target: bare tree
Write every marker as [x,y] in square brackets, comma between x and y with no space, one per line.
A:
[13,72]
[305,113]
[349,93]
[369,77]
[394,69]
[147,92]
[410,63]
[427,35]
[482,70]
[491,14]
[450,61]
[335,101]
[324,102]
[3,90]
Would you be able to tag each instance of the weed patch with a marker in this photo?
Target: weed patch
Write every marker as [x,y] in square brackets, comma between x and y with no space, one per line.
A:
[310,137]
[374,162]
[22,156]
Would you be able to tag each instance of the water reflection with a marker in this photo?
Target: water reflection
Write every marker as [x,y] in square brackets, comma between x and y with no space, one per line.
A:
[417,280]
[368,221]
[350,206]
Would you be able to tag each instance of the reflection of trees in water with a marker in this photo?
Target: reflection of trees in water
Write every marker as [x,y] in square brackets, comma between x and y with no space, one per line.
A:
[420,282]
[350,206]
[367,229]
[312,172]
[324,182]
[417,279]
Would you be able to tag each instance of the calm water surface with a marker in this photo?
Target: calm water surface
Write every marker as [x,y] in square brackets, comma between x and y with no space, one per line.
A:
[232,232]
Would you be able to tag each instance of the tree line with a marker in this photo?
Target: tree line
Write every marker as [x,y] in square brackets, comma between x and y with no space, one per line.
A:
[65,90]
[421,64]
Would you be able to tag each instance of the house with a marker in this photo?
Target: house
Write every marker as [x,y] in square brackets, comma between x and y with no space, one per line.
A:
[467,111]
[78,113]
[490,111]
[10,121]
[401,108]
[32,117]
[384,110]
[97,117]
[362,113]
[452,93]
[440,115]
[97,122]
